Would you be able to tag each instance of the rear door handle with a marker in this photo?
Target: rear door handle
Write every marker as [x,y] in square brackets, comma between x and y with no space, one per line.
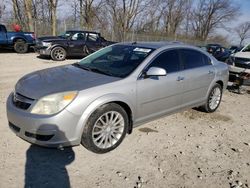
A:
[210,72]
[180,78]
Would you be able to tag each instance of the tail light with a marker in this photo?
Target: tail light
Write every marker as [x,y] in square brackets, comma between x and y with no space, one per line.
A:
[33,36]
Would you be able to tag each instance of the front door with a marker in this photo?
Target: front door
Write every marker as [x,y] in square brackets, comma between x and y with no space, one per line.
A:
[94,42]
[160,95]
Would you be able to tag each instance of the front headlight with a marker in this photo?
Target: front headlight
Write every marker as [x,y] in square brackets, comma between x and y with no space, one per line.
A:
[54,103]
[46,44]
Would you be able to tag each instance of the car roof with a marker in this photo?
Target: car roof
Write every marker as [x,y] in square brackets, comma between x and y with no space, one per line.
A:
[82,31]
[155,45]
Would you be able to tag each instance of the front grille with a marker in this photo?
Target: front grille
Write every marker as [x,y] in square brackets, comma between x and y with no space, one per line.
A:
[14,127]
[21,101]
[242,63]
[38,136]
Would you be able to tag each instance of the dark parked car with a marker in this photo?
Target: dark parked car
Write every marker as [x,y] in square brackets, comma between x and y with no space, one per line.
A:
[235,49]
[211,48]
[20,41]
[219,52]
[222,54]
[81,43]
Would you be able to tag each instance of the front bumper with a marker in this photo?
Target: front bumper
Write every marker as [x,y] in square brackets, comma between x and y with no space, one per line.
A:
[42,50]
[57,130]
[236,73]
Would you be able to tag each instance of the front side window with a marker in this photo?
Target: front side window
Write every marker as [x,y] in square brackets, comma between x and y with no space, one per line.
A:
[168,60]
[193,59]
[117,60]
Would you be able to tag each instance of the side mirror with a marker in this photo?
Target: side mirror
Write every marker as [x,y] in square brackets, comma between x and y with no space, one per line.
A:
[156,71]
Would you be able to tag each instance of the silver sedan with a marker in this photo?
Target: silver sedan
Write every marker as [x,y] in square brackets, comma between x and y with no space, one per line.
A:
[100,99]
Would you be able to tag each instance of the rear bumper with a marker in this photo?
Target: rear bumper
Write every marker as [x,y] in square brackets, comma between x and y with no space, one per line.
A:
[50,131]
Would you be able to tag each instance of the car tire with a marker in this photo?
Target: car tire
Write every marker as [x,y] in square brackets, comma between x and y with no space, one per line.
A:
[214,99]
[21,46]
[105,129]
[58,54]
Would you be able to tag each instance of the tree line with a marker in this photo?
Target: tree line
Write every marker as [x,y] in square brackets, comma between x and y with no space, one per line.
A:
[197,19]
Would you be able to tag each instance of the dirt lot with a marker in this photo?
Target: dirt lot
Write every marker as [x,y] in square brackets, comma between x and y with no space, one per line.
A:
[188,149]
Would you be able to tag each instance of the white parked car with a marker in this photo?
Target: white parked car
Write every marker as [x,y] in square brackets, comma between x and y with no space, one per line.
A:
[239,65]
[241,60]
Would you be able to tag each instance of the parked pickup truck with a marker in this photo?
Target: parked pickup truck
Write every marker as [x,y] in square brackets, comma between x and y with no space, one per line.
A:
[21,41]
[73,44]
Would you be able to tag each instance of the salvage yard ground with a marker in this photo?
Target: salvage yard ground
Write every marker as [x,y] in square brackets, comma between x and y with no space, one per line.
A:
[188,149]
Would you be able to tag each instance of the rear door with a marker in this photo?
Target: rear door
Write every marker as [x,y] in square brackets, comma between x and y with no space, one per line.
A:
[94,42]
[160,95]
[198,75]
[76,44]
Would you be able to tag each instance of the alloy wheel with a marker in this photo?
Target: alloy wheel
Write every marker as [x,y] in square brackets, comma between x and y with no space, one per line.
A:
[108,129]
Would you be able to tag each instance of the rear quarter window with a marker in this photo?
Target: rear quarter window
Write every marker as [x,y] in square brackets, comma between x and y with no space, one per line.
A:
[194,59]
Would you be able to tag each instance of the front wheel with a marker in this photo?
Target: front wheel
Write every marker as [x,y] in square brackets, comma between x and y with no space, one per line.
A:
[214,99]
[105,129]
[58,54]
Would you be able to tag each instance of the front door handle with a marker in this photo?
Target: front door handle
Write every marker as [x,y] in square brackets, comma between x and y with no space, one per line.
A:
[180,78]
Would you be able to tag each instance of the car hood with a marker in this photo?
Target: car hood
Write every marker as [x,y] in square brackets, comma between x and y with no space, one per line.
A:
[245,55]
[59,79]
[47,38]
[55,40]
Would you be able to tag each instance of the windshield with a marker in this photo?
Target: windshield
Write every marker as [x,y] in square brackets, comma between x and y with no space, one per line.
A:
[117,60]
[246,49]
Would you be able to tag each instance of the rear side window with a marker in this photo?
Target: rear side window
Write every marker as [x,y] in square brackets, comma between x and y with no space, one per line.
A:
[92,37]
[78,36]
[168,60]
[194,59]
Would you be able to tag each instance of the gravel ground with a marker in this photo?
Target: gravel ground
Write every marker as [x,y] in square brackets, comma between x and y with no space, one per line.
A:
[188,149]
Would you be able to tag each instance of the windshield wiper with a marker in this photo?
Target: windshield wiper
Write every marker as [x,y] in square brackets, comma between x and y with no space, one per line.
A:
[81,66]
[100,71]
[92,69]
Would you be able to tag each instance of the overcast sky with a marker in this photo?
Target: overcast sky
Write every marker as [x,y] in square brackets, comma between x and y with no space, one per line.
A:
[65,9]
[244,17]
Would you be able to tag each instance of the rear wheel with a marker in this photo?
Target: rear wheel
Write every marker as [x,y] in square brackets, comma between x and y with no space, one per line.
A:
[105,129]
[21,46]
[58,54]
[214,99]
